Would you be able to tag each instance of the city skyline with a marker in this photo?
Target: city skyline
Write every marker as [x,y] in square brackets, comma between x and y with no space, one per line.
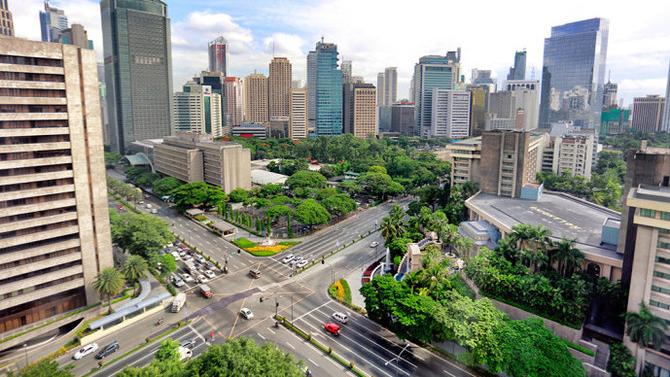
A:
[637,55]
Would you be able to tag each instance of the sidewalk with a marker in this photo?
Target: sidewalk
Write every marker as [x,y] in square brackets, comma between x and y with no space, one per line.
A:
[354,280]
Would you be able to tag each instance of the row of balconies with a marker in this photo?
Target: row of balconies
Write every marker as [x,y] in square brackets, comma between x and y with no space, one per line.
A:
[38,236]
[37,294]
[42,278]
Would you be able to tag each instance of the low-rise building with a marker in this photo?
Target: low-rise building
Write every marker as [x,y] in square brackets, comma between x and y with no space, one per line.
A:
[465,157]
[249,130]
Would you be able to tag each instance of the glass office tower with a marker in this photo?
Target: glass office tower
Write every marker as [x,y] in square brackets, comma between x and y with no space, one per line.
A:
[432,71]
[327,93]
[573,73]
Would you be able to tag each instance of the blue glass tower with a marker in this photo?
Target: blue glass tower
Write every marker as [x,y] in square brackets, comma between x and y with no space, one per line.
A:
[328,90]
[573,73]
[432,71]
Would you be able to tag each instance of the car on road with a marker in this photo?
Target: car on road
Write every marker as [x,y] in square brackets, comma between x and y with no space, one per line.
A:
[288,258]
[341,317]
[184,353]
[206,291]
[85,351]
[108,350]
[187,278]
[255,273]
[210,274]
[374,244]
[190,344]
[201,259]
[246,313]
[177,281]
[302,263]
[332,328]
[201,279]
[296,260]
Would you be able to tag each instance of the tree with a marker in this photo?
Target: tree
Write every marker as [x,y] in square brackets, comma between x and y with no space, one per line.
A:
[168,351]
[567,256]
[44,368]
[645,328]
[379,185]
[311,213]
[140,234]
[238,195]
[163,187]
[109,283]
[339,204]
[134,268]
[112,158]
[306,179]
[168,264]
[278,211]
[392,226]
[621,362]
[198,194]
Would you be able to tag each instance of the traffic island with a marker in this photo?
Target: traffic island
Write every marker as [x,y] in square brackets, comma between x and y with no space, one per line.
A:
[327,350]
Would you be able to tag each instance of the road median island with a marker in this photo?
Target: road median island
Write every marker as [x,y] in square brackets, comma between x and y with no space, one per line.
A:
[327,350]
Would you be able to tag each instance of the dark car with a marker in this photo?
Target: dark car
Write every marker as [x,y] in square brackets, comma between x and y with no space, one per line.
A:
[190,344]
[108,350]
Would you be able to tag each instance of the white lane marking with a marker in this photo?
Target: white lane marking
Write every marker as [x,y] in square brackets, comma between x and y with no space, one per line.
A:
[445,371]
[312,361]
[260,336]
[290,345]
[325,303]
[190,326]
[272,331]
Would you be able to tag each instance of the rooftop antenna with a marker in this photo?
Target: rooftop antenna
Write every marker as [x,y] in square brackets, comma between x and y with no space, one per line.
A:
[322,39]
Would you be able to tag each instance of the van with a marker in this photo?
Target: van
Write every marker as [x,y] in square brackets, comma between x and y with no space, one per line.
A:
[206,291]
[178,303]
[184,353]
[255,273]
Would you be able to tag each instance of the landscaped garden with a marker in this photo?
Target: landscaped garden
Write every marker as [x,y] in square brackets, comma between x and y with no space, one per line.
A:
[260,250]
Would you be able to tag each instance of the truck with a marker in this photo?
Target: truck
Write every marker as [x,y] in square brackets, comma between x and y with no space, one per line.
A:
[178,303]
[184,353]
[206,291]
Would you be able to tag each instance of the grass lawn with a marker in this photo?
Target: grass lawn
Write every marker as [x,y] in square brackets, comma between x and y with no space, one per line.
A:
[263,251]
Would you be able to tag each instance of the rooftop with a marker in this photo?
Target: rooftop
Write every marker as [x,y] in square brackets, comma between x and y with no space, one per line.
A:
[264,177]
[656,193]
[565,216]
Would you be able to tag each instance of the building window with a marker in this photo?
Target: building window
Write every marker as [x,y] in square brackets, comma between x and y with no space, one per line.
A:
[664,231]
[665,215]
[656,288]
[663,245]
[657,371]
[659,304]
[663,260]
[662,275]
[645,212]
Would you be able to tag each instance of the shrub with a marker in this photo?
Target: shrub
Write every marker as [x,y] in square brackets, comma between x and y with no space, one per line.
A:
[621,362]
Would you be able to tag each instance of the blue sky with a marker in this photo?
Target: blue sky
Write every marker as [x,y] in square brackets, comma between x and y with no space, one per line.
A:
[376,34]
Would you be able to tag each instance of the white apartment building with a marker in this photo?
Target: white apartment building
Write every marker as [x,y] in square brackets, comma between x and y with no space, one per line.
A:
[197,109]
[298,114]
[451,114]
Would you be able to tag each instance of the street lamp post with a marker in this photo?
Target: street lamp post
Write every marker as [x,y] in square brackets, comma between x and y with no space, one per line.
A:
[25,351]
[397,359]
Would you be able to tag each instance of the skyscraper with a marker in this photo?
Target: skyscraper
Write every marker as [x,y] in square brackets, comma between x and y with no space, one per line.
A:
[648,113]
[75,35]
[311,90]
[666,111]
[518,71]
[346,71]
[402,118]
[138,70]
[298,116]
[279,86]
[54,223]
[526,94]
[381,81]
[234,107]
[197,109]
[450,114]
[364,110]
[573,73]
[256,98]
[324,88]
[218,55]
[610,95]
[432,71]
[215,80]
[6,22]
[390,85]
[52,22]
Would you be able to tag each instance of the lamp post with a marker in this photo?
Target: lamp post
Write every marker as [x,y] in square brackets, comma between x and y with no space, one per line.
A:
[397,359]
[25,351]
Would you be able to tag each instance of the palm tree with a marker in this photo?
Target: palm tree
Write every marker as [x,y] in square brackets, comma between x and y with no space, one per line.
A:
[134,268]
[645,328]
[392,226]
[108,284]
[567,256]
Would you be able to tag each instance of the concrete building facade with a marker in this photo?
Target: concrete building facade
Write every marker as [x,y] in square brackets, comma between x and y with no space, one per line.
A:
[666,110]
[256,98]
[648,113]
[465,157]
[298,114]
[54,220]
[6,21]
[197,109]
[218,55]
[364,110]
[234,99]
[390,85]
[279,87]
[432,72]
[450,114]
[402,118]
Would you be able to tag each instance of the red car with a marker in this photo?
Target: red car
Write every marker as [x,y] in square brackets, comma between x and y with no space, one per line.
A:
[332,328]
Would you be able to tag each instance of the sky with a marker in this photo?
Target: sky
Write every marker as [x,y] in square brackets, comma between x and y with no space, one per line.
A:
[377,34]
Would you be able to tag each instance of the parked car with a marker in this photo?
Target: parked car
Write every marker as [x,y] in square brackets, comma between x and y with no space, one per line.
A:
[341,317]
[246,313]
[288,258]
[187,258]
[182,254]
[332,328]
[201,279]
[176,255]
[296,260]
[302,263]
[210,274]
[201,259]
[374,244]
[85,351]
[190,344]
[211,266]
[177,281]
[187,278]
[108,350]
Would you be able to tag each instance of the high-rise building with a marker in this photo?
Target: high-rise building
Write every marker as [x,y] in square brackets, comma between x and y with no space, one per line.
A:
[311,91]
[518,71]
[666,110]
[346,71]
[76,35]
[570,153]
[573,73]
[216,82]
[256,98]
[52,22]
[610,95]
[6,22]
[390,85]
[364,110]
[402,118]
[54,223]
[526,94]
[479,97]
[103,103]
[614,120]
[197,109]
[509,161]
[218,55]
[381,89]
[324,89]
[648,114]
[432,71]
[451,114]
[138,70]
[234,99]
[298,115]
[483,77]
[279,86]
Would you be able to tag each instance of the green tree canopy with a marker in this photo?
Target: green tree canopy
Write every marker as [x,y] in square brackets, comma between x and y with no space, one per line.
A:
[134,268]
[108,284]
[44,368]
[280,210]
[379,185]
[165,186]
[311,213]
[239,195]
[140,234]
[339,204]
[306,179]
[198,194]
[645,328]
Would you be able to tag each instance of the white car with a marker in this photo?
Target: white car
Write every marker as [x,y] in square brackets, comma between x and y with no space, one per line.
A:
[177,281]
[296,260]
[341,317]
[176,255]
[288,258]
[302,263]
[246,313]
[201,259]
[85,351]
[201,279]
[187,258]
[374,244]
[182,254]
[210,274]
[187,278]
